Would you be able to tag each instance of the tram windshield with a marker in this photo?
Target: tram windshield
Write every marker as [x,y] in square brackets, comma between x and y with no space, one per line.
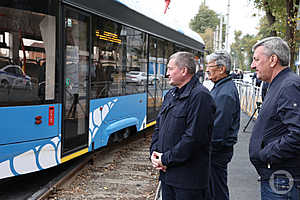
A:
[27,51]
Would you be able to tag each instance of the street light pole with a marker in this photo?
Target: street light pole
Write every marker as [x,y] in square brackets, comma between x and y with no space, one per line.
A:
[221,32]
[227,27]
[233,56]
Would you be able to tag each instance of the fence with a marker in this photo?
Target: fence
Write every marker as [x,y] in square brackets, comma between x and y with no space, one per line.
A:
[249,95]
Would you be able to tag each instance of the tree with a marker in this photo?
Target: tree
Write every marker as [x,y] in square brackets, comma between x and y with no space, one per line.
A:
[264,29]
[208,37]
[237,51]
[241,50]
[205,23]
[281,16]
[205,18]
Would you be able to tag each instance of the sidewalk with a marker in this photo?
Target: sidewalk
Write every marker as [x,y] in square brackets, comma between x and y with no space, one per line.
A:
[242,177]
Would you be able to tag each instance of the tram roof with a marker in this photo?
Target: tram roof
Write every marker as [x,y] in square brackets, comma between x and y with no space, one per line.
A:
[143,8]
[136,15]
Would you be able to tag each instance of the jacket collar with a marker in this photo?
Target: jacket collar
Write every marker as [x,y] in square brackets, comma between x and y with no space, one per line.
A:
[227,78]
[279,75]
[187,88]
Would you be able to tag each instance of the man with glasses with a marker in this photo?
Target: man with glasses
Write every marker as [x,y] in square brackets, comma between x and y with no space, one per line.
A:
[227,122]
[275,141]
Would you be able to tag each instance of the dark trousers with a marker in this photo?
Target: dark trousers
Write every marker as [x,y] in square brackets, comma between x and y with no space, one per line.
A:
[172,193]
[279,189]
[218,175]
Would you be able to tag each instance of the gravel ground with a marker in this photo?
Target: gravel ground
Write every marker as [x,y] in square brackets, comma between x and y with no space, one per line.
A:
[125,173]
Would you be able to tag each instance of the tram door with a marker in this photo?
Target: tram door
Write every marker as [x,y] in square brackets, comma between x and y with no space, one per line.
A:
[156,69]
[76,62]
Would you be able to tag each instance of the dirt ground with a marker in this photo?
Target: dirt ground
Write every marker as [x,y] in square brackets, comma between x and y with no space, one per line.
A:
[122,174]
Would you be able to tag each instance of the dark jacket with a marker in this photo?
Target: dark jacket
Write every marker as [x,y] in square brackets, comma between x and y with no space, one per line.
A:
[227,122]
[264,90]
[275,140]
[183,134]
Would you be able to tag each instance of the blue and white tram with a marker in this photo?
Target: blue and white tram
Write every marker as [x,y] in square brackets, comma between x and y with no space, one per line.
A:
[66,86]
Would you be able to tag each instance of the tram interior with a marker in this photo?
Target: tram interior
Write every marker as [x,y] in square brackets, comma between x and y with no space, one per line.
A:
[27,49]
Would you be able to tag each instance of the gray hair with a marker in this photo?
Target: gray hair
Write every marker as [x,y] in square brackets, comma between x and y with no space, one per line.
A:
[184,59]
[222,58]
[277,46]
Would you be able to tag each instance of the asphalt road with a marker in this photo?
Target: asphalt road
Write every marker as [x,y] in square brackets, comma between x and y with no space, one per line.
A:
[242,177]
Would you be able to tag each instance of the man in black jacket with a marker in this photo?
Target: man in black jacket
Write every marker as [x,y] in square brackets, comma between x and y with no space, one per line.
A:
[275,142]
[227,122]
[181,139]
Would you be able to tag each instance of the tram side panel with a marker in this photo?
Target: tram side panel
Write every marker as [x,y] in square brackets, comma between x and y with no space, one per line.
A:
[30,139]
[31,135]
[110,115]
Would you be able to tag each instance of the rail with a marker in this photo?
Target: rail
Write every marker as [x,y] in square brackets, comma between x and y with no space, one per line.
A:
[249,94]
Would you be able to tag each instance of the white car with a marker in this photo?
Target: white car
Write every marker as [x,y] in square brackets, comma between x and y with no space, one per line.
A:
[138,77]
[12,76]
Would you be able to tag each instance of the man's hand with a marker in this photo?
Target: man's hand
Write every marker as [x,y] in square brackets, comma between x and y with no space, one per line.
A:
[156,161]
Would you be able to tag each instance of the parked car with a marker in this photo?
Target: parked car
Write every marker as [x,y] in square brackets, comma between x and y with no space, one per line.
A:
[158,77]
[138,77]
[12,76]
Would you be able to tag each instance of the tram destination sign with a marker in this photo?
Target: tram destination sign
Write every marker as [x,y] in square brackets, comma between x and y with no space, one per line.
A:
[108,36]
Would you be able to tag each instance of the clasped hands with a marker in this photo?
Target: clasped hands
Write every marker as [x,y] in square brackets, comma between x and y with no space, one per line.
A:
[156,161]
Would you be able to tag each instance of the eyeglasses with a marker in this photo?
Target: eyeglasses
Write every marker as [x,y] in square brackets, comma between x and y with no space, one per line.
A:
[212,66]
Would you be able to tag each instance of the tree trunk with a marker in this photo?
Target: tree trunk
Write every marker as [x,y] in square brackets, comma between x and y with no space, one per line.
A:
[292,12]
[271,18]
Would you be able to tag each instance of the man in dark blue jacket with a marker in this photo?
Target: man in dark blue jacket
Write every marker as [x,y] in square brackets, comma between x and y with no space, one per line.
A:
[275,142]
[227,122]
[181,139]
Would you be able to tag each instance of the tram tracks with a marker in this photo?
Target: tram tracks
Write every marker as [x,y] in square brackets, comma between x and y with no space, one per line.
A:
[58,181]
[121,171]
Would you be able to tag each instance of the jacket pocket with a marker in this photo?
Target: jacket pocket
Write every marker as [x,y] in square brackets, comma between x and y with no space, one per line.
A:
[269,138]
[178,117]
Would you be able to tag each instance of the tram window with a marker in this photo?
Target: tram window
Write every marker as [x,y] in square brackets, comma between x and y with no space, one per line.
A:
[169,51]
[117,51]
[105,73]
[136,65]
[27,53]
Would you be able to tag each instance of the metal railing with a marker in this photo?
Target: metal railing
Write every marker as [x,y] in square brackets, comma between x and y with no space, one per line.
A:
[249,94]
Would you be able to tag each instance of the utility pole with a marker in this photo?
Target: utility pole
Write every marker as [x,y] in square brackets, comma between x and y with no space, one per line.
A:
[221,32]
[216,38]
[227,28]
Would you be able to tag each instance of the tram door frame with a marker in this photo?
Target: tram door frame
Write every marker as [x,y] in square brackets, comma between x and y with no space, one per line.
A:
[76,79]
[152,111]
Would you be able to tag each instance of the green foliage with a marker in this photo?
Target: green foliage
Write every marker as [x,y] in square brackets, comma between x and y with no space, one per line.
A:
[205,23]
[241,50]
[208,37]
[273,5]
[280,21]
[275,22]
[205,19]
[264,27]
